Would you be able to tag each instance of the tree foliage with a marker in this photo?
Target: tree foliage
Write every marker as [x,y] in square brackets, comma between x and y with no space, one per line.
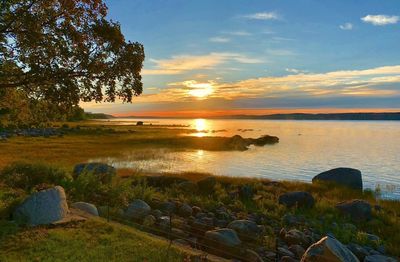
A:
[65,51]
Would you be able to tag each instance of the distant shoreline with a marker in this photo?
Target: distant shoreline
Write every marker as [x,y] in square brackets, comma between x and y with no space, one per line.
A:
[392,116]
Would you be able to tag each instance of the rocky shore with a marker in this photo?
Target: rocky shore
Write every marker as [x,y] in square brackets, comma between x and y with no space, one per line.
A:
[227,228]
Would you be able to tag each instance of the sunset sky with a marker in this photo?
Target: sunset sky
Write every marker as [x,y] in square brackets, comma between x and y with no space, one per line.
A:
[231,57]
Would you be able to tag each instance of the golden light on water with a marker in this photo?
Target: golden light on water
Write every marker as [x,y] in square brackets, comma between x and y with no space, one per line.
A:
[201,127]
[201,90]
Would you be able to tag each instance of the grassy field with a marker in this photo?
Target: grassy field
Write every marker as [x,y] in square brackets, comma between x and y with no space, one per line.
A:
[93,240]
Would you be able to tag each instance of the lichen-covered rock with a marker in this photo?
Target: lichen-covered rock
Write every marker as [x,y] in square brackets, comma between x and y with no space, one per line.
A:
[246,229]
[298,199]
[223,238]
[328,249]
[137,209]
[43,207]
[343,176]
[86,207]
[357,209]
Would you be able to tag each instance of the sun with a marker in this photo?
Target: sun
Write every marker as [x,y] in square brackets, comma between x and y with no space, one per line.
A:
[201,90]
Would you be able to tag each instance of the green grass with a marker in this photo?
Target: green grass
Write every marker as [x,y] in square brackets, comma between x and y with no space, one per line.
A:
[93,240]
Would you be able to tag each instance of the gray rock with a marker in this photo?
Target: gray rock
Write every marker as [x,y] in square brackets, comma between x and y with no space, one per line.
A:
[185,210]
[43,207]
[246,229]
[296,237]
[168,207]
[297,250]
[138,210]
[343,176]
[104,172]
[358,210]
[223,238]
[285,252]
[358,251]
[328,249]
[288,259]
[299,199]
[379,258]
[86,207]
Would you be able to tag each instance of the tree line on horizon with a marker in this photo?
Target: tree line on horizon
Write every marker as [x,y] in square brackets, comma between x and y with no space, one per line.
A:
[56,53]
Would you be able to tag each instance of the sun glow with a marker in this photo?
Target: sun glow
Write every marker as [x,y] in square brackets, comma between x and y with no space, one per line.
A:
[201,90]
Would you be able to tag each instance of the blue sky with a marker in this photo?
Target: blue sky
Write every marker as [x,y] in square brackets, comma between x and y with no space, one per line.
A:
[247,55]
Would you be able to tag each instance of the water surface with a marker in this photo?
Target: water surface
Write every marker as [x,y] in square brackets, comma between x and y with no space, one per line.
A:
[306,148]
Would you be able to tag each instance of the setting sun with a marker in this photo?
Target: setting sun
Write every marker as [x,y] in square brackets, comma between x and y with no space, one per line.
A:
[201,90]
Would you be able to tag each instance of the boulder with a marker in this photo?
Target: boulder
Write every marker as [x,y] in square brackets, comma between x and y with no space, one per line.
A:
[297,250]
[43,207]
[379,258]
[246,229]
[185,210]
[252,256]
[296,237]
[149,221]
[137,209]
[86,207]
[207,184]
[168,207]
[222,238]
[349,177]
[328,249]
[104,172]
[358,210]
[238,143]
[358,251]
[298,199]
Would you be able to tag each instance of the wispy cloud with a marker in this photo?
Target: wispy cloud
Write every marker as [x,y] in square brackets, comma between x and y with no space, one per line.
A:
[346,26]
[381,20]
[296,71]
[182,63]
[239,33]
[263,16]
[375,82]
[219,39]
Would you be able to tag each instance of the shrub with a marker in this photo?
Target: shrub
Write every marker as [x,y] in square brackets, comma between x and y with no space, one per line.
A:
[28,175]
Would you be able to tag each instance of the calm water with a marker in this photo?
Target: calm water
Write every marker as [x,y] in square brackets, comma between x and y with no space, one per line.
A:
[306,148]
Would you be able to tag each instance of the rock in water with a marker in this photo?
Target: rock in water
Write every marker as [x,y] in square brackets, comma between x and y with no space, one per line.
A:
[246,229]
[103,171]
[138,210]
[343,176]
[86,207]
[328,249]
[358,210]
[299,199]
[43,207]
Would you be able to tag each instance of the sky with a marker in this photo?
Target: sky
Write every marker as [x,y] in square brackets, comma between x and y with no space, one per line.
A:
[230,57]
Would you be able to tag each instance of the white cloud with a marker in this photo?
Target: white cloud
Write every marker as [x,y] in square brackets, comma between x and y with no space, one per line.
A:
[380,20]
[263,16]
[219,39]
[183,63]
[296,71]
[346,26]
[239,33]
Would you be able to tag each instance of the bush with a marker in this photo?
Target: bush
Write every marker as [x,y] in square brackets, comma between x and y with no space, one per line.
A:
[28,175]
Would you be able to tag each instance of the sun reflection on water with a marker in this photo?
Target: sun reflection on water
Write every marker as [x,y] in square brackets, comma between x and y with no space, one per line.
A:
[201,126]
